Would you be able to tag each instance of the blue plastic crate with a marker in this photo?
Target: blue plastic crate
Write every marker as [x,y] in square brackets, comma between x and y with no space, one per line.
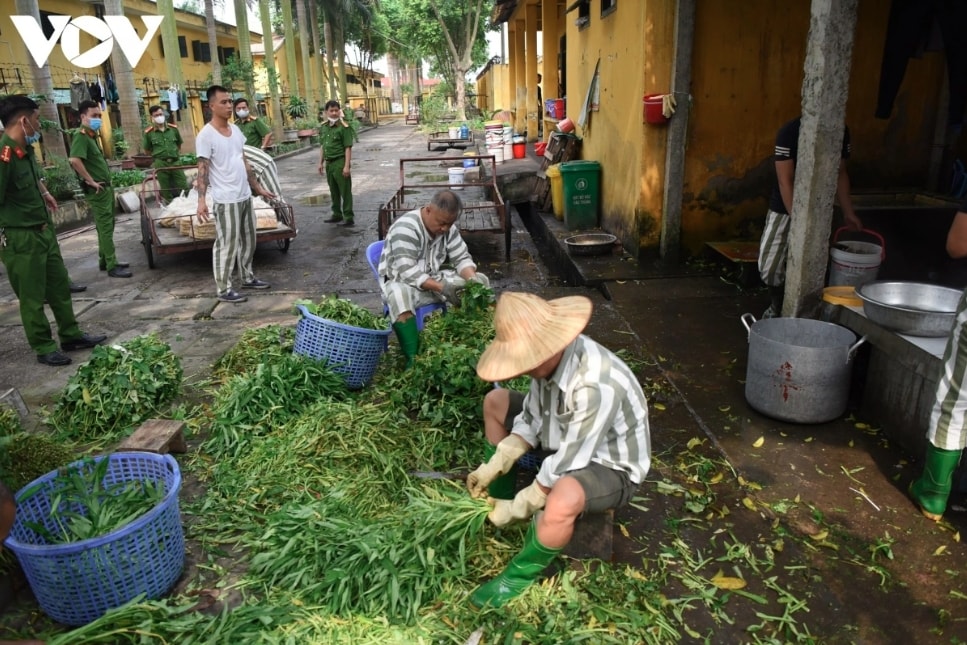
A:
[353,352]
[76,583]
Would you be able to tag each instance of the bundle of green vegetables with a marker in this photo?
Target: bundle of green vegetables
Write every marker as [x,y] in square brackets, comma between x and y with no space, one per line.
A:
[83,506]
[345,312]
[118,388]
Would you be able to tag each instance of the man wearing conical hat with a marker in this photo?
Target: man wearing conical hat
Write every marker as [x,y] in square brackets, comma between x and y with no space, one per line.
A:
[585,406]
[417,246]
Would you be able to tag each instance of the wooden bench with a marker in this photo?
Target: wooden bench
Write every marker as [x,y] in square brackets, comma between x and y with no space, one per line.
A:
[413,118]
[743,254]
[160,436]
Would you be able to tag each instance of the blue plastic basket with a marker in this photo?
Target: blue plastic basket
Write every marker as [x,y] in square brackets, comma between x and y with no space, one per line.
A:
[353,352]
[77,583]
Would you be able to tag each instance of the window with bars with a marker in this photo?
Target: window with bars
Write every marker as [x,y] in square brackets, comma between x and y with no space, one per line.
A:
[608,7]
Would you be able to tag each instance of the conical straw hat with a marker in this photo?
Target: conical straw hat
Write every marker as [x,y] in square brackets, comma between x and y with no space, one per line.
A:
[530,330]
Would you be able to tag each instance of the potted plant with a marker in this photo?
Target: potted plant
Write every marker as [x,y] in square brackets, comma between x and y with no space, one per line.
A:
[142,160]
[297,107]
[306,127]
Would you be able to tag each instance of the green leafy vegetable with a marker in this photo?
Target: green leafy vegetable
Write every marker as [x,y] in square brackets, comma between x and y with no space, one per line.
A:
[345,312]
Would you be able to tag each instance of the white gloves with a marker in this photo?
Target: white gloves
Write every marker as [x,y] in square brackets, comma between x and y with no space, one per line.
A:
[481,279]
[508,452]
[452,288]
[526,503]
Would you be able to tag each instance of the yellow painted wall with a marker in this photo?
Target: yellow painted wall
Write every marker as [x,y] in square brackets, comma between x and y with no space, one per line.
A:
[747,85]
[633,45]
[492,90]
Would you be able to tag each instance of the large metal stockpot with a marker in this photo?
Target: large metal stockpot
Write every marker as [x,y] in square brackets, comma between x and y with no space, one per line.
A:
[799,369]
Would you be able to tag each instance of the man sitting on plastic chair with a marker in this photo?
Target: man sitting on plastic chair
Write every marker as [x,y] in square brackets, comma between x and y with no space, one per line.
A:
[417,245]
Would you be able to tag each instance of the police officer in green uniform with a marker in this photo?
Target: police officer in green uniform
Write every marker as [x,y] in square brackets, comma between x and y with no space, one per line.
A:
[88,162]
[28,243]
[163,142]
[257,133]
[335,160]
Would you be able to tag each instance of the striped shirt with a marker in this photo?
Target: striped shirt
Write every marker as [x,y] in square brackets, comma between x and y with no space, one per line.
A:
[591,409]
[411,255]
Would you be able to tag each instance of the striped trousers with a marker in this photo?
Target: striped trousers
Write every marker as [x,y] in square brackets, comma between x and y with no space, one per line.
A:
[948,419]
[772,249]
[401,297]
[234,243]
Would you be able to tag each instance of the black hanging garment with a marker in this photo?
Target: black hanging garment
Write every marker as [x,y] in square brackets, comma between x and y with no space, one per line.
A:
[907,33]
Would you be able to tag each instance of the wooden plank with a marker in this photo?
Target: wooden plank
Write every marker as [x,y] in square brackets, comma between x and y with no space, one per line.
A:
[593,537]
[736,251]
[157,435]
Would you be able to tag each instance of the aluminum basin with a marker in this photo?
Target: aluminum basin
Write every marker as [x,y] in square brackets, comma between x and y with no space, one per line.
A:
[914,308]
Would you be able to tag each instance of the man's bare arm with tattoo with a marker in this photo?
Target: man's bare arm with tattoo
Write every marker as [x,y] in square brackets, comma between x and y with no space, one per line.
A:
[201,185]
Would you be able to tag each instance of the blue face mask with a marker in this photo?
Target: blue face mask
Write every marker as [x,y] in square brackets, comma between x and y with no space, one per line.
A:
[31,138]
[95,124]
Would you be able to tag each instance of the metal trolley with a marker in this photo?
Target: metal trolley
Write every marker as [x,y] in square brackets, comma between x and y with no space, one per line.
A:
[164,240]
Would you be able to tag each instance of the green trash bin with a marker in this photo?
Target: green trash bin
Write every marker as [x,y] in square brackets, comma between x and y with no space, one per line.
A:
[582,188]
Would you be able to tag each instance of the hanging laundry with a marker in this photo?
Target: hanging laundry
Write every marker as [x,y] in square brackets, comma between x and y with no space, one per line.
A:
[112,90]
[79,91]
[174,106]
[95,91]
[103,91]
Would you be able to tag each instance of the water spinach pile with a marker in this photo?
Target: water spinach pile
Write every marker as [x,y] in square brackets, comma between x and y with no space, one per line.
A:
[305,525]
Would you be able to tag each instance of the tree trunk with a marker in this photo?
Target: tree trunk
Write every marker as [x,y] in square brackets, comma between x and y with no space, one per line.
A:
[340,38]
[304,39]
[43,84]
[271,72]
[212,42]
[245,47]
[290,67]
[319,69]
[393,71]
[124,78]
[169,36]
[329,58]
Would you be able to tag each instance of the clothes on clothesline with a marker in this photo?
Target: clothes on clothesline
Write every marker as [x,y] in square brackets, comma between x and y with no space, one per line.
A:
[173,97]
[79,92]
[112,90]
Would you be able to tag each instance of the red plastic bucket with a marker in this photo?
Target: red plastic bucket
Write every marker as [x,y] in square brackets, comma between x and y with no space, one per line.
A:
[653,109]
[539,148]
[520,150]
[558,108]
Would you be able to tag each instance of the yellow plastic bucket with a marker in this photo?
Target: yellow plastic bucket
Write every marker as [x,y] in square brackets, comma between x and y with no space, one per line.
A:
[557,190]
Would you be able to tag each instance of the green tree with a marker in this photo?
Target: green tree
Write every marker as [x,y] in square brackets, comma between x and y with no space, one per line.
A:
[212,41]
[244,62]
[270,70]
[454,41]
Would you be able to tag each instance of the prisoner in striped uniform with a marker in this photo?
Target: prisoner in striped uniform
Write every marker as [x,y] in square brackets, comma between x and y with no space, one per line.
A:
[947,432]
[266,172]
[584,405]
[417,246]
[774,244]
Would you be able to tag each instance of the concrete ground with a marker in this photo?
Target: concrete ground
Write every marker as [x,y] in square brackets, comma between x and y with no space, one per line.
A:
[836,489]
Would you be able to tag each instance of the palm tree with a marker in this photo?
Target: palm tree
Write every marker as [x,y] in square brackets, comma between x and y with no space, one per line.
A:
[304,39]
[327,34]
[319,72]
[43,84]
[212,42]
[124,77]
[269,59]
[169,38]
[245,45]
[292,73]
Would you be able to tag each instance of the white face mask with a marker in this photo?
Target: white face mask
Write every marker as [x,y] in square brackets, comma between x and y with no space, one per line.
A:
[159,119]
[332,121]
[242,114]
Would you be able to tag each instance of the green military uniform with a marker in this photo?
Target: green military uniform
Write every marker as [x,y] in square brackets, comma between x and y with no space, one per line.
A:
[335,139]
[254,130]
[85,147]
[164,144]
[30,252]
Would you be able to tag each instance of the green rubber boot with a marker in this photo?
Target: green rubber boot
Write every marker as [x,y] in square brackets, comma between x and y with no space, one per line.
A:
[519,574]
[409,337]
[932,489]
[505,486]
